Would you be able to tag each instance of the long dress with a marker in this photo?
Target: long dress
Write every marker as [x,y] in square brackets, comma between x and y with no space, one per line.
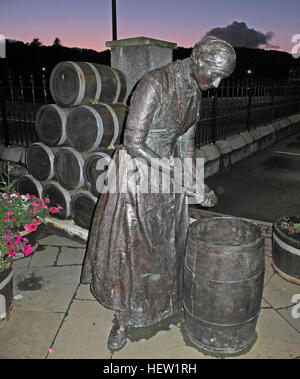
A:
[135,253]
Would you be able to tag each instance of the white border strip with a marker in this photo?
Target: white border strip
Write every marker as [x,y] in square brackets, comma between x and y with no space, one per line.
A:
[98,80]
[99,124]
[63,118]
[118,89]
[116,123]
[285,246]
[81,84]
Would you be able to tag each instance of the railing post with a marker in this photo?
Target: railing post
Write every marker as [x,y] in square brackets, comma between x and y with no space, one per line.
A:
[249,105]
[214,115]
[272,90]
[4,114]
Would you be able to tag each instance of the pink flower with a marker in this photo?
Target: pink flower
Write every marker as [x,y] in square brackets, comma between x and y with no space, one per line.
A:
[11,251]
[9,243]
[5,196]
[34,211]
[36,221]
[7,219]
[35,204]
[47,200]
[27,250]
[16,193]
[9,214]
[13,218]
[18,240]
[25,240]
[53,210]
[26,227]
[32,227]
[59,207]
[27,196]
[44,206]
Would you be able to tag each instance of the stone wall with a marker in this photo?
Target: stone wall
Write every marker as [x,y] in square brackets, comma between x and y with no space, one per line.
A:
[224,153]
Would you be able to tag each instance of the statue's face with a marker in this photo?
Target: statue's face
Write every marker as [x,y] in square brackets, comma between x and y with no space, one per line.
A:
[207,77]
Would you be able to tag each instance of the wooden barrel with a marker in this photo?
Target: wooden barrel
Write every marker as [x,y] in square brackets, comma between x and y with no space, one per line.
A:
[28,184]
[94,127]
[76,83]
[82,208]
[40,161]
[6,292]
[58,196]
[122,112]
[94,169]
[50,125]
[223,283]
[286,252]
[68,168]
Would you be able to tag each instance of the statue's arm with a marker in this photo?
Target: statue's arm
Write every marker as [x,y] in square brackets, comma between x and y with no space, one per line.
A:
[186,147]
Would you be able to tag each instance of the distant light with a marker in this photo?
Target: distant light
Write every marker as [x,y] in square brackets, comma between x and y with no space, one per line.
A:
[43,68]
[249,72]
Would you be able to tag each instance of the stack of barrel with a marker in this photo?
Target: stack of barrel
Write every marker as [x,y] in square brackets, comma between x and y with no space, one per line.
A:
[84,125]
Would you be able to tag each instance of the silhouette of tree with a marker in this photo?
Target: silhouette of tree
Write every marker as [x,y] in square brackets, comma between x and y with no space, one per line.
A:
[57,42]
[36,42]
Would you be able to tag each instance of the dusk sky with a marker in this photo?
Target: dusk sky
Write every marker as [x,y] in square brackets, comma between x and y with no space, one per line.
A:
[87,23]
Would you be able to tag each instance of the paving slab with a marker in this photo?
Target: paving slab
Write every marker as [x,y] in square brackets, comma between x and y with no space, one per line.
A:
[168,344]
[28,334]
[22,262]
[84,332]
[269,272]
[71,256]
[55,240]
[275,338]
[292,315]
[44,256]
[46,288]
[84,293]
[279,292]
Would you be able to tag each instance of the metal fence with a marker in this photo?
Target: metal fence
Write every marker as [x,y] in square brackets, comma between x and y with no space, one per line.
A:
[235,106]
[20,99]
[242,105]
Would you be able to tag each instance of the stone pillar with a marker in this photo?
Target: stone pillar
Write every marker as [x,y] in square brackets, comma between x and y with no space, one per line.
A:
[135,57]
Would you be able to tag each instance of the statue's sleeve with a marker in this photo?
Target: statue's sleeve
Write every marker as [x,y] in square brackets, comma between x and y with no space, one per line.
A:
[145,101]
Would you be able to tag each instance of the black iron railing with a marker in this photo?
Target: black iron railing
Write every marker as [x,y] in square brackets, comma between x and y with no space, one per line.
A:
[242,105]
[235,106]
[20,99]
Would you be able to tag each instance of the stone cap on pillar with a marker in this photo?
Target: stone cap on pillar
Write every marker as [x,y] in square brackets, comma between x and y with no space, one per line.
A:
[140,41]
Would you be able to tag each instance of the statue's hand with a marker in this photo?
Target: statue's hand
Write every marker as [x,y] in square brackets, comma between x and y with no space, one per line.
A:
[210,199]
[206,198]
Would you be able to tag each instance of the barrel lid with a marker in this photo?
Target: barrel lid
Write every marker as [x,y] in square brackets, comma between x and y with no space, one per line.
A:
[67,84]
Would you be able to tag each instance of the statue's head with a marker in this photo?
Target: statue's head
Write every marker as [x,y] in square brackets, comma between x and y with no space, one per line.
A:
[214,59]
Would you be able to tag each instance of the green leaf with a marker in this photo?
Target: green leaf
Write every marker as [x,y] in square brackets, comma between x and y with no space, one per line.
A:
[296,226]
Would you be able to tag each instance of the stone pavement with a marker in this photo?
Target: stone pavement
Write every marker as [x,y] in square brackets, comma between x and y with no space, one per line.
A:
[58,318]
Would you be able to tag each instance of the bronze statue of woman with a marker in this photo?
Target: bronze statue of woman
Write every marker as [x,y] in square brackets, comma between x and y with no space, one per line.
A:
[134,259]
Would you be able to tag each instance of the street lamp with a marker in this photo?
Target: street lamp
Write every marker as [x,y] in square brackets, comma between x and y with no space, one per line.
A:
[249,71]
[114,19]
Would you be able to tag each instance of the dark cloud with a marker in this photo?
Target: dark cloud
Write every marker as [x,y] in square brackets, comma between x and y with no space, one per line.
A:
[239,35]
